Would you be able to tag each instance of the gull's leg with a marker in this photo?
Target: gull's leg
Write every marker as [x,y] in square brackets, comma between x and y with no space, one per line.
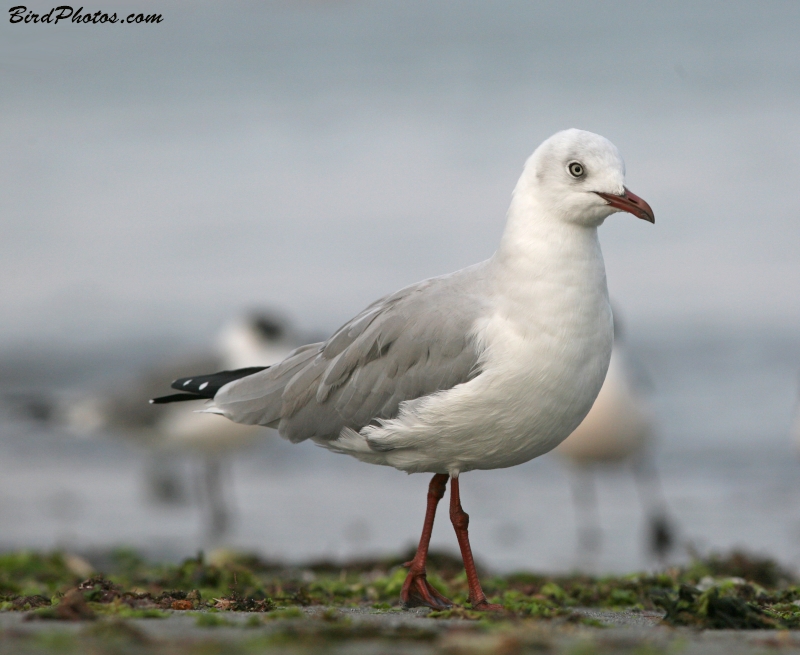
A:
[416,589]
[460,521]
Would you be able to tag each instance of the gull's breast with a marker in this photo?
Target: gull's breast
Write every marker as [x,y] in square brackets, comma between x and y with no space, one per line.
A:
[533,391]
[545,346]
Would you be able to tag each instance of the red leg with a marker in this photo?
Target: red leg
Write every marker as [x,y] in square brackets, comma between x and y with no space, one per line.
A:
[417,591]
[460,521]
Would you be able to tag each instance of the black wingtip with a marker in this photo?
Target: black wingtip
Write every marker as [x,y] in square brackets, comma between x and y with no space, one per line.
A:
[204,387]
[176,398]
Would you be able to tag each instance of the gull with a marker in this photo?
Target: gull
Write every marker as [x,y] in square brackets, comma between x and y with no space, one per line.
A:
[484,368]
[618,431]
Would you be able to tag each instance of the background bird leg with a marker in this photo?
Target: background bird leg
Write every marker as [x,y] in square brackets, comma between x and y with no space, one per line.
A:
[416,588]
[216,509]
[661,532]
[460,521]
[587,516]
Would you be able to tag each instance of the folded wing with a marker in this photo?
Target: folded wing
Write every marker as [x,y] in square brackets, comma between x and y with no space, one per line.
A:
[413,343]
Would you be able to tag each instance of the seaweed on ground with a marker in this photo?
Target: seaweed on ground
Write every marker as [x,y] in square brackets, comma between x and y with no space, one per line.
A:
[761,570]
[704,594]
[731,603]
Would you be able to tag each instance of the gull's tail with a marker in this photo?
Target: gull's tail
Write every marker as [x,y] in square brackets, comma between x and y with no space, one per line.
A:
[204,387]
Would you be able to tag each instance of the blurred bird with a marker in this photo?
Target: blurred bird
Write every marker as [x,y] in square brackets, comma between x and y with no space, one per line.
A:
[617,432]
[171,433]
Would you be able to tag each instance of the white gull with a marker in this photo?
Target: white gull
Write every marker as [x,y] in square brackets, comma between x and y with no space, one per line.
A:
[484,368]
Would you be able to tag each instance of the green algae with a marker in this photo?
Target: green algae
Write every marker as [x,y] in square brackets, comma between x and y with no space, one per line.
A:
[27,573]
[703,594]
[122,611]
[58,642]
[730,604]
[755,569]
[286,613]
[211,620]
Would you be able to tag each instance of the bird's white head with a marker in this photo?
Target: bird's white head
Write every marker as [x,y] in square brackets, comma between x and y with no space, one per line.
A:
[579,177]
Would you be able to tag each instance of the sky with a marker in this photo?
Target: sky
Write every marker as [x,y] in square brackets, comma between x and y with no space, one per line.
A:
[313,156]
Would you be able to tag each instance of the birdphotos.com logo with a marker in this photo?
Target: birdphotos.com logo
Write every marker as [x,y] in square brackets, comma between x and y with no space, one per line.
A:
[67,14]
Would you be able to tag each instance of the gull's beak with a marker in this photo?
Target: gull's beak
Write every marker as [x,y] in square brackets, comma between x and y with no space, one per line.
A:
[629,202]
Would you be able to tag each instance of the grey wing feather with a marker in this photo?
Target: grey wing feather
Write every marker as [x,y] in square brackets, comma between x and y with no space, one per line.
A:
[407,345]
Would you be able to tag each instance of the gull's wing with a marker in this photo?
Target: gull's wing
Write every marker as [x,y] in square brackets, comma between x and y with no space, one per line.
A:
[407,345]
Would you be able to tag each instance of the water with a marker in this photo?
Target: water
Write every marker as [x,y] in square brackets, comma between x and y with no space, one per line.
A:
[319,155]
[724,404]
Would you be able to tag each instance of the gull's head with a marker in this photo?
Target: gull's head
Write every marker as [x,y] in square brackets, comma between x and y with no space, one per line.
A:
[579,177]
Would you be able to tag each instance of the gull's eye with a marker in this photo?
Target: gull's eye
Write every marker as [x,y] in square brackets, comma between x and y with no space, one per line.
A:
[576,169]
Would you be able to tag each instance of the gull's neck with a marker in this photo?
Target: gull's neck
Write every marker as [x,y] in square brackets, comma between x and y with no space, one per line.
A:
[544,263]
[535,241]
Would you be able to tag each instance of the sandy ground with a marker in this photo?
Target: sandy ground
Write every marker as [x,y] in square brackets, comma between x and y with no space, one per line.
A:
[367,631]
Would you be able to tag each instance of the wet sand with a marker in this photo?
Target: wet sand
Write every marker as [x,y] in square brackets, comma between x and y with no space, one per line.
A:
[366,631]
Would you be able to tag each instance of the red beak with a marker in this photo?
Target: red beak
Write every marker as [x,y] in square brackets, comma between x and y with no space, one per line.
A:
[629,202]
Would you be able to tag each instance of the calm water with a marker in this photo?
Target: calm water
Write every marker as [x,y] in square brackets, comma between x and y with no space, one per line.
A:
[728,470]
[317,155]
